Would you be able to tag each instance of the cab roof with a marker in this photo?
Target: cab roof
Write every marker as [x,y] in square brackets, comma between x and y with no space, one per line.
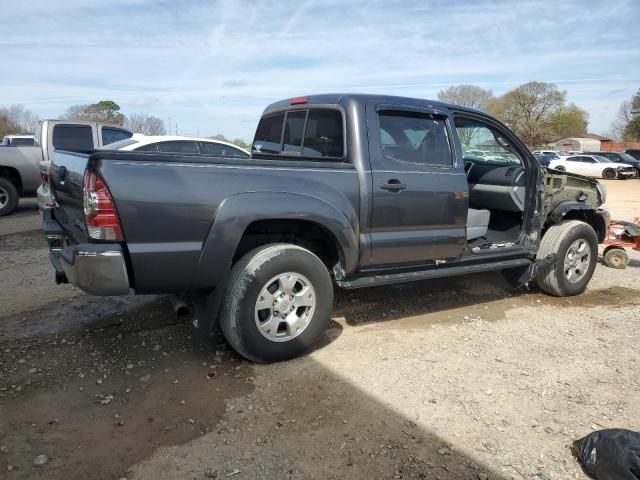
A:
[361,98]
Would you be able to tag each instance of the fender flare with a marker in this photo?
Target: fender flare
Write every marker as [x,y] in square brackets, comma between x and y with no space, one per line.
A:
[560,211]
[237,212]
[597,218]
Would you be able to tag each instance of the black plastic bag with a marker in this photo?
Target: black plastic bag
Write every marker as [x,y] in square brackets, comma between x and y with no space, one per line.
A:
[612,454]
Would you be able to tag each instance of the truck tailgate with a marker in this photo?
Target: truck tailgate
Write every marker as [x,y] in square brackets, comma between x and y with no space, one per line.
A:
[66,178]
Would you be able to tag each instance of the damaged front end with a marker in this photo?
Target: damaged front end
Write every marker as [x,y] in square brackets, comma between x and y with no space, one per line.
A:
[568,196]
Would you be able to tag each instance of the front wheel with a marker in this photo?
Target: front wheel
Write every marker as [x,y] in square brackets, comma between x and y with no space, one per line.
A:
[576,245]
[277,303]
[609,173]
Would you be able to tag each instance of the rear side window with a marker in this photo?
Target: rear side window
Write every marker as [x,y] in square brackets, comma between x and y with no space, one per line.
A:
[222,150]
[75,138]
[111,135]
[415,138]
[178,147]
[310,133]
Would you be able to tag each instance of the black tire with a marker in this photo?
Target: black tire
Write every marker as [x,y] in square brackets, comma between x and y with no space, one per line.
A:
[9,195]
[609,173]
[616,257]
[560,168]
[246,282]
[557,240]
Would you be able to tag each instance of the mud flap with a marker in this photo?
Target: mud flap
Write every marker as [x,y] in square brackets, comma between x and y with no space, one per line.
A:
[205,314]
[521,276]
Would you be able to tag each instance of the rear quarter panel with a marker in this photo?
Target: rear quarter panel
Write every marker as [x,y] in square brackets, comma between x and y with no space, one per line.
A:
[167,208]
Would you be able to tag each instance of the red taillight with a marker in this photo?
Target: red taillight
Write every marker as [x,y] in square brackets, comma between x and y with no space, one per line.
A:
[45,178]
[100,212]
[299,100]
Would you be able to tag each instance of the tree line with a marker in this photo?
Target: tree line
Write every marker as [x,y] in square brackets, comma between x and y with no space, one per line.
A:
[17,119]
[538,112]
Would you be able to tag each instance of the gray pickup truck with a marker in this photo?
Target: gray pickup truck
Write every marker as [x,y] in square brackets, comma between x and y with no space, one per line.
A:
[352,190]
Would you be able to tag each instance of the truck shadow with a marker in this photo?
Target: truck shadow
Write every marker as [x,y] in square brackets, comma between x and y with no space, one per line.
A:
[135,390]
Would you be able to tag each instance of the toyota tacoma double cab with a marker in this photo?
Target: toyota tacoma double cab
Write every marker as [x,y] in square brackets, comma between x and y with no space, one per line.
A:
[346,190]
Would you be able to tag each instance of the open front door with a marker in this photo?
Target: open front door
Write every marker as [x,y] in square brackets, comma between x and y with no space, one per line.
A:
[420,192]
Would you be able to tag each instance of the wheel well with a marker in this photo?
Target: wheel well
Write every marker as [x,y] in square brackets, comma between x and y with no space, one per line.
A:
[304,233]
[589,217]
[12,175]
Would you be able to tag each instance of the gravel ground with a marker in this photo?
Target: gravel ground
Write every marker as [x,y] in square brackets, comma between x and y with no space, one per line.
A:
[463,378]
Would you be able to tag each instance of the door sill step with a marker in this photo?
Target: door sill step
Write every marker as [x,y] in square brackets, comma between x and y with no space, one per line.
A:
[437,272]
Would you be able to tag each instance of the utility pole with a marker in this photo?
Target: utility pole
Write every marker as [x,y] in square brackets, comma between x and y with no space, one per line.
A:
[168,125]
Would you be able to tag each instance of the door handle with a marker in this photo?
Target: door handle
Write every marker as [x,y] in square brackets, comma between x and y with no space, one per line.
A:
[393,185]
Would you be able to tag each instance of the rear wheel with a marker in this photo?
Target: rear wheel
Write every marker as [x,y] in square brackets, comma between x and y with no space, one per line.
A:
[576,245]
[560,168]
[609,173]
[277,303]
[8,197]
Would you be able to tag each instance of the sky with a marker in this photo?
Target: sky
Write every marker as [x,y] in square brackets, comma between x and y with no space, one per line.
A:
[212,66]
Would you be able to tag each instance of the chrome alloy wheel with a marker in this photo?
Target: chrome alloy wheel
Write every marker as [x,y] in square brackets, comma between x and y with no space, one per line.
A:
[4,197]
[576,261]
[285,307]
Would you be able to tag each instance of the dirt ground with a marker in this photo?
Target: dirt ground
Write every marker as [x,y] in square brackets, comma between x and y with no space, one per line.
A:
[463,378]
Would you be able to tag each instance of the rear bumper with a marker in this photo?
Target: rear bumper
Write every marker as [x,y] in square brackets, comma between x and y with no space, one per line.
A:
[96,268]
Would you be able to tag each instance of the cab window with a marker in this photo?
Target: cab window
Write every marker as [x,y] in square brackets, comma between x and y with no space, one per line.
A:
[315,133]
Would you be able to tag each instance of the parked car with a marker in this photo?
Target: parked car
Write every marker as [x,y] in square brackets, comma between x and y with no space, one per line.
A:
[359,190]
[174,144]
[544,159]
[635,153]
[620,157]
[74,136]
[551,153]
[18,141]
[593,166]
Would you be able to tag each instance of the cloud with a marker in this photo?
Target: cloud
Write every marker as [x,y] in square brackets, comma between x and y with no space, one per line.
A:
[144,101]
[235,83]
[215,65]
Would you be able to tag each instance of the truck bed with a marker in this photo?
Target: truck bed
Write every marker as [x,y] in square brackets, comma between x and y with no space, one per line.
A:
[168,205]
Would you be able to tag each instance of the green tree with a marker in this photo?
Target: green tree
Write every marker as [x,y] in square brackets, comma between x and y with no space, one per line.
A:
[530,110]
[624,126]
[104,111]
[631,132]
[570,121]
[470,96]
[241,143]
[220,137]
